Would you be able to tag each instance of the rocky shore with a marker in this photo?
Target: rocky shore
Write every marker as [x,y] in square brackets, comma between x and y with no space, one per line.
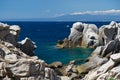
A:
[17,60]
[104,62]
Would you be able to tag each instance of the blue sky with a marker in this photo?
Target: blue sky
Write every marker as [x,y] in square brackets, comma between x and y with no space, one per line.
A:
[18,9]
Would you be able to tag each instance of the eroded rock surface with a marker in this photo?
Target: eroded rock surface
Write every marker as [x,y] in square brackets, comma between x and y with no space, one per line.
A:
[15,62]
[27,46]
[18,63]
[104,62]
[81,34]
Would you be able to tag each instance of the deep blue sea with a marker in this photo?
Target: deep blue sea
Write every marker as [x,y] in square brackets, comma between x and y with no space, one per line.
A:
[46,35]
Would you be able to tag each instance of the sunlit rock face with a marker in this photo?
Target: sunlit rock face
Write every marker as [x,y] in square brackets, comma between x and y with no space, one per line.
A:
[16,62]
[103,64]
[109,49]
[88,35]
[84,35]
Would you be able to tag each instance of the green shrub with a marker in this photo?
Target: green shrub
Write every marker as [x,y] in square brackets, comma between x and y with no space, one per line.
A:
[112,79]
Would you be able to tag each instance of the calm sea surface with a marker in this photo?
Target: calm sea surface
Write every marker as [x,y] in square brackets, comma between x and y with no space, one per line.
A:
[46,35]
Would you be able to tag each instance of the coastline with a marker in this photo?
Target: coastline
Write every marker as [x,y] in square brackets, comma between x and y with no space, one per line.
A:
[18,60]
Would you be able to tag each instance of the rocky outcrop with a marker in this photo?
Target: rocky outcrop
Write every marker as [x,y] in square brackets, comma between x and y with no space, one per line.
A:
[111,50]
[104,71]
[108,70]
[9,33]
[84,35]
[15,62]
[88,35]
[103,64]
[18,63]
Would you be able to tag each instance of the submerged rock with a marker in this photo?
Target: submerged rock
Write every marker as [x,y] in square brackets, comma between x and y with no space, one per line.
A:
[55,65]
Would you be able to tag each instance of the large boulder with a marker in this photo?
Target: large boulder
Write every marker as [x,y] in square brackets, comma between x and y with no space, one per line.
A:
[109,32]
[95,73]
[113,74]
[9,33]
[91,64]
[109,70]
[81,34]
[27,46]
[115,57]
[112,47]
[25,67]
[84,35]
[76,33]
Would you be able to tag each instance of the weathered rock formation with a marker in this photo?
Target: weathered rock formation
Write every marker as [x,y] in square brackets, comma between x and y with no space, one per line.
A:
[104,62]
[27,46]
[15,62]
[84,35]
[9,33]
[18,63]
[109,32]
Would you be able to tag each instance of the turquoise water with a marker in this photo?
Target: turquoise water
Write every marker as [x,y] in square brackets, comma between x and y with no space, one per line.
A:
[46,35]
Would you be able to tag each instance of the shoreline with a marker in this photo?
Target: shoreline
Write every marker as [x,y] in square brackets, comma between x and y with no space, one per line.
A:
[102,61]
[17,60]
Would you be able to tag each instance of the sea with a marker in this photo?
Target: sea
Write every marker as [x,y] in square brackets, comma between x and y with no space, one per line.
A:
[46,36]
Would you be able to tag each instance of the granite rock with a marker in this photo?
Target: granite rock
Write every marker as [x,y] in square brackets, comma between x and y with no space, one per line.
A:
[15,60]
[27,46]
